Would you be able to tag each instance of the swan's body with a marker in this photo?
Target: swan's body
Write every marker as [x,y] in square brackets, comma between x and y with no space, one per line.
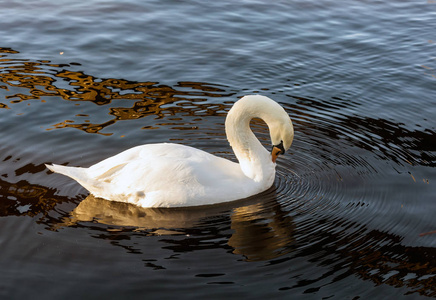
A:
[171,175]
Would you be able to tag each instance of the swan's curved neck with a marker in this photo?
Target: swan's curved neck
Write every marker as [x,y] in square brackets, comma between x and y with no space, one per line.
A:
[254,159]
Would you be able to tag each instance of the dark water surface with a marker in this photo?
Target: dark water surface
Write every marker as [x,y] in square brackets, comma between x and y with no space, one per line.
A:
[352,214]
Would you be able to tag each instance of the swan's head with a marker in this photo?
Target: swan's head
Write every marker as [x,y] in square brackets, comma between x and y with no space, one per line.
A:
[274,115]
[279,123]
[282,135]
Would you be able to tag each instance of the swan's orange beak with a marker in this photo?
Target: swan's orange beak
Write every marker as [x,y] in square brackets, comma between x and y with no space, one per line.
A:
[275,153]
[276,150]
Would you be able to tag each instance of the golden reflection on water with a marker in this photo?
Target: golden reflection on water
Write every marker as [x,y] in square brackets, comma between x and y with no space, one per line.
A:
[25,199]
[38,80]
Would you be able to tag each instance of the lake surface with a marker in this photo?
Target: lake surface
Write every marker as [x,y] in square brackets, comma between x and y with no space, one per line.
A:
[352,213]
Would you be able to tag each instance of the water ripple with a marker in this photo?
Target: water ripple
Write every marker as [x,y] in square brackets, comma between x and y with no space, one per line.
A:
[338,202]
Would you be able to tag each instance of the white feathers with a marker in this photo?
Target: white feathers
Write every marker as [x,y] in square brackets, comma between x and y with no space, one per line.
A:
[172,175]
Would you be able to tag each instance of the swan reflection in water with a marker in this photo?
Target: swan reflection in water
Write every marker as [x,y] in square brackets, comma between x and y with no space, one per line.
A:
[259,230]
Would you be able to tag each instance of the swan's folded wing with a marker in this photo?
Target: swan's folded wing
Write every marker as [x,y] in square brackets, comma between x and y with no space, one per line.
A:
[111,165]
[110,173]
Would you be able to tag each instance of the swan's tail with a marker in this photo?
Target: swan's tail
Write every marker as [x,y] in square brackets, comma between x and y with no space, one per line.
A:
[73,172]
[78,174]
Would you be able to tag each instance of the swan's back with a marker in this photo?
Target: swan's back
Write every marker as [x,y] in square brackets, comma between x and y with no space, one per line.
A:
[161,175]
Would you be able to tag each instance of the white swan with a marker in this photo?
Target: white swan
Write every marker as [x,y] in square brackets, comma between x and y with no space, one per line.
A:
[173,175]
